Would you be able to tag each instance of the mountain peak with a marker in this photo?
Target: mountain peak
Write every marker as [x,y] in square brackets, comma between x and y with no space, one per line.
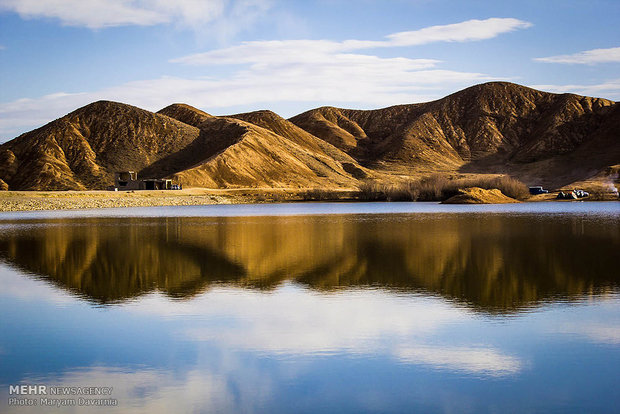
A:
[185,113]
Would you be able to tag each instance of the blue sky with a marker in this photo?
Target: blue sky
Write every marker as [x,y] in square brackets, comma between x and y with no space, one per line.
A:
[230,56]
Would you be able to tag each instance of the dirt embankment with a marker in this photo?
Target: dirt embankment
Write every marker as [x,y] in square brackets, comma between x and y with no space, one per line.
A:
[476,195]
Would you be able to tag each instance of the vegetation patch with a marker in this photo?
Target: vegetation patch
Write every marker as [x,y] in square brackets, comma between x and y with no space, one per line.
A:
[439,188]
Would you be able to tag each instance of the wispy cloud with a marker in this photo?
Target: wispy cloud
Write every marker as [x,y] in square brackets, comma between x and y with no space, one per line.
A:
[603,333]
[263,52]
[480,360]
[361,329]
[22,114]
[97,14]
[588,57]
[467,31]
[267,72]
[609,89]
[376,83]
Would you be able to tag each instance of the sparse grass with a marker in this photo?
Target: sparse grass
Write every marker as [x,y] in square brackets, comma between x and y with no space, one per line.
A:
[322,194]
[376,191]
[601,196]
[319,194]
[438,188]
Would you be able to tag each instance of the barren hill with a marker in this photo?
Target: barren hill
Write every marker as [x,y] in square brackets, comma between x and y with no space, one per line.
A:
[282,127]
[261,158]
[83,149]
[499,127]
[185,113]
[264,150]
[485,128]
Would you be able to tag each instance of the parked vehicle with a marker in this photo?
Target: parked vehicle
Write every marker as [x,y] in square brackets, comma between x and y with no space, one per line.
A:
[538,190]
[572,195]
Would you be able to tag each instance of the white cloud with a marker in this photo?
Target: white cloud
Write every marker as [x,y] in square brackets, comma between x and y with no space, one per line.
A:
[609,89]
[588,57]
[23,114]
[92,13]
[263,52]
[593,331]
[479,360]
[467,31]
[323,71]
[96,14]
[356,323]
[376,82]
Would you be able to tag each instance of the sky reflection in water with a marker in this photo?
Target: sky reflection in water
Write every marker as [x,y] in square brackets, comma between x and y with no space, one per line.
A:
[302,314]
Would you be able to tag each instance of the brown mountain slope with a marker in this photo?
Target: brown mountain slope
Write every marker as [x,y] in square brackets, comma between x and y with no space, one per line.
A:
[262,158]
[265,150]
[185,113]
[499,122]
[284,128]
[83,149]
[593,164]
[499,127]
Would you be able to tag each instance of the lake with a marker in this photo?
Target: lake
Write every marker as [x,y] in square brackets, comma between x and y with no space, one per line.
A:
[314,307]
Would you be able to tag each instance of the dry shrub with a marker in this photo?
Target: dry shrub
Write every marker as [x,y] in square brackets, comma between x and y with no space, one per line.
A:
[438,188]
[319,194]
[372,191]
[375,191]
[510,187]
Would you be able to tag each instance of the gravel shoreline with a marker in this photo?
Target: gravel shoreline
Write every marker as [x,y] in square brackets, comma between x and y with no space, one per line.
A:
[78,201]
[82,200]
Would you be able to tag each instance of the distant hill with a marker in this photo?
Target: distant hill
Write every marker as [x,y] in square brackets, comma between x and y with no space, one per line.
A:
[541,138]
[493,127]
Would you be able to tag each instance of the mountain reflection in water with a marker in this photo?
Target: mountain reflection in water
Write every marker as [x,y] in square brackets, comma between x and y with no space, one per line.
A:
[495,263]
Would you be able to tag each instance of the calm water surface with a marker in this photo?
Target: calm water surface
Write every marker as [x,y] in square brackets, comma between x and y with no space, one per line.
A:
[380,307]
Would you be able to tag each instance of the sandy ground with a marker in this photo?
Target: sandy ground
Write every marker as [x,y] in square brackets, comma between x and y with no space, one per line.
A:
[63,200]
[67,200]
